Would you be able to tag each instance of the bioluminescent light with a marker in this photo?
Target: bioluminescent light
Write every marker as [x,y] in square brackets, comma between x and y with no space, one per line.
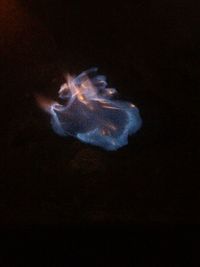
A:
[91,113]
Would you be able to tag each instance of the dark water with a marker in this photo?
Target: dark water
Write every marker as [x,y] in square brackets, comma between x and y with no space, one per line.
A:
[150,54]
[149,51]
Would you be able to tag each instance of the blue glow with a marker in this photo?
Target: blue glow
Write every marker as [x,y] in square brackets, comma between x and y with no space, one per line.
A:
[91,113]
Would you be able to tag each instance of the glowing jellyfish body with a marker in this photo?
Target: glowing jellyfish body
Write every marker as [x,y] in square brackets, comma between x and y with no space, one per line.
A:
[91,114]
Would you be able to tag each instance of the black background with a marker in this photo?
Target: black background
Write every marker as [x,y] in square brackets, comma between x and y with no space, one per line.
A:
[150,52]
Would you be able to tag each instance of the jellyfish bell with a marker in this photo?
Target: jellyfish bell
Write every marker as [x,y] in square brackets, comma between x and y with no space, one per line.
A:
[90,112]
